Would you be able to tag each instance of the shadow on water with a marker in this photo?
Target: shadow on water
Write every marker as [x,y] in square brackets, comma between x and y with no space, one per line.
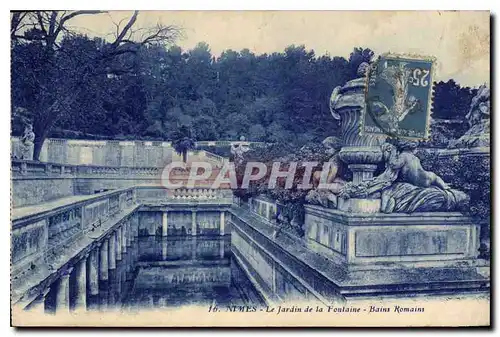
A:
[158,272]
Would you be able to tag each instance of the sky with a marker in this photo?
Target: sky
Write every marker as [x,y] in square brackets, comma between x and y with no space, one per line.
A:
[459,40]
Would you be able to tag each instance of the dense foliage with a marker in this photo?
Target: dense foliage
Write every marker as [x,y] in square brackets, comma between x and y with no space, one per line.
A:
[471,174]
[450,105]
[278,97]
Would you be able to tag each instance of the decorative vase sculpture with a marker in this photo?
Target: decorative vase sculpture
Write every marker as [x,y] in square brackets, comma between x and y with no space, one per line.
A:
[361,153]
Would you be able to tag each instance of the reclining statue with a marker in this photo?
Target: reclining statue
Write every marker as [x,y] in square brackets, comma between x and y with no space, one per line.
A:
[405,187]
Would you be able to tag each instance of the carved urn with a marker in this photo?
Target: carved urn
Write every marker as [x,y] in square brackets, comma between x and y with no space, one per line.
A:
[361,153]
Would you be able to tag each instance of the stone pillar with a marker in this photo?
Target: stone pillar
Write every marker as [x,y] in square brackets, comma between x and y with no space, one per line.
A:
[221,249]
[62,293]
[222,222]
[193,222]
[118,244]
[134,220]
[81,285]
[38,305]
[124,237]
[103,256]
[94,272]
[164,250]
[194,246]
[112,251]
[130,234]
[164,224]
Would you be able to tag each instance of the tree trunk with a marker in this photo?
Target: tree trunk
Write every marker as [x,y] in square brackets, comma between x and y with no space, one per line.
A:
[184,156]
[39,140]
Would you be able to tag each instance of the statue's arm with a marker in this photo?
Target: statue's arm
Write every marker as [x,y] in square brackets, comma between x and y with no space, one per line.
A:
[398,162]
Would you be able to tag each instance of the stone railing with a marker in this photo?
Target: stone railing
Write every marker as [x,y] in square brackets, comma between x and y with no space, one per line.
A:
[36,182]
[39,232]
[215,158]
[161,196]
[196,194]
[227,143]
[264,207]
[28,168]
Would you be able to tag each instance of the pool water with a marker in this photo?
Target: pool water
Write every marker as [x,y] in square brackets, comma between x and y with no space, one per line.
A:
[158,272]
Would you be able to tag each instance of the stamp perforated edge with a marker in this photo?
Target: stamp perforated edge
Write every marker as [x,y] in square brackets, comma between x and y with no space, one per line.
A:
[430,103]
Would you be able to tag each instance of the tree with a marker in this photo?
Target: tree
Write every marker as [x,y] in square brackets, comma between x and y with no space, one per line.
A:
[55,76]
[183,141]
[451,101]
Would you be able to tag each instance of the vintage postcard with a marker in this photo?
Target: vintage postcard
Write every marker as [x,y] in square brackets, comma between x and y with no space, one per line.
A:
[250,168]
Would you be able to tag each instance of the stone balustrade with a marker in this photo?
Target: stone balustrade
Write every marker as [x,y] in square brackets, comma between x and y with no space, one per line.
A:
[22,169]
[37,182]
[40,232]
[196,194]
[216,158]
[150,195]
[265,208]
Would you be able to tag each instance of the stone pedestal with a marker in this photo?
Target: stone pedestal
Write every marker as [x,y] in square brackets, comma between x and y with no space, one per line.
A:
[367,258]
[373,241]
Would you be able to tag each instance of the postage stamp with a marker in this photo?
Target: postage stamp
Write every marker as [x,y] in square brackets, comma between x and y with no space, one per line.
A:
[398,96]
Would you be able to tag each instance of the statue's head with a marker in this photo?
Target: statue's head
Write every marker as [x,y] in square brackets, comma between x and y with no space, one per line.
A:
[363,69]
[29,127]
[387,150]
[333,144]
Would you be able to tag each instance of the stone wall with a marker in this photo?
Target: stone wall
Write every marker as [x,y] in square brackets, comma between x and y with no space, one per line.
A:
[103,152]
[34,191]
